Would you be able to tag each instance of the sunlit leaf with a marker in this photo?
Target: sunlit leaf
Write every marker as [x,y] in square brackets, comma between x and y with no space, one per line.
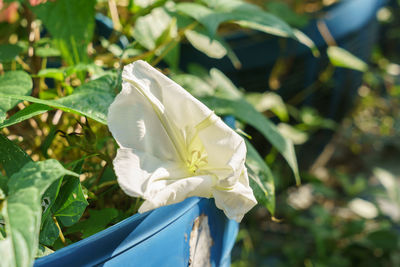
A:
[245,14]
[150,27]
[71,24]
[24,114]
[13,82]
[261,178]
[194,84]
[92,99]
[22,210]
[203,43]
[56,74]
[343,58]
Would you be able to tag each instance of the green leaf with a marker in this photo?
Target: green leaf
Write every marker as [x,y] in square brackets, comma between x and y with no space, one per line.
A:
[244,111]
[22,210]
[3,187]
[54,197]
[71,24]
[269,101]
[71,202]
[285,12]
[49,232]
[261,178]
[39,175]
[205,44]
[13,82]
[9,52]
[233,10]
[385,239]
[24,114]
[91,99]
[225,87]
[43,251]
[47,52]
[150,27]
[195,85]
[12,157]
[56,74]
[340,57]
[245,14]
[98,220]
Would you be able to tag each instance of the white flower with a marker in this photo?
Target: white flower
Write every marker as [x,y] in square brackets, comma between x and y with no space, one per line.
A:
[173,147]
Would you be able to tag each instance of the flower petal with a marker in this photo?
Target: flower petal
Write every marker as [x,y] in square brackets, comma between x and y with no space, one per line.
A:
[166,192]
[137,171]
[236,201]
[134,124]
[173,147]
[178,104]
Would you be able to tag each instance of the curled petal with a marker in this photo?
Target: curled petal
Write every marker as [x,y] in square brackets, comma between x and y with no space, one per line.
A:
[235,201]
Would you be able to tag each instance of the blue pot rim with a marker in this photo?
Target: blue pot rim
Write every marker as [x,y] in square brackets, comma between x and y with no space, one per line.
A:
[153,225]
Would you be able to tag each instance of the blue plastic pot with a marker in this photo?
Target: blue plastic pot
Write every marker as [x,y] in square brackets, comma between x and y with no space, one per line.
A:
[157,238]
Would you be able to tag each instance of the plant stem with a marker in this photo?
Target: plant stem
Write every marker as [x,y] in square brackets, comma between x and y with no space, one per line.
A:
[99,176]
[60,234]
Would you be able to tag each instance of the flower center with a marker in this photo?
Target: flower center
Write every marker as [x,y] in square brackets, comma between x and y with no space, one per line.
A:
[196,160]
[196,154]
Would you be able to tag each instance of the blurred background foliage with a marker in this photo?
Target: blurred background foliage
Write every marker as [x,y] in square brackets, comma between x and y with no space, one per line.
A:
[346,211]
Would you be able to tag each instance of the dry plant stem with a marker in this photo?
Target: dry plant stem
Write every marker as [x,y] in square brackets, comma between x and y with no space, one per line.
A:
[62,238]
[23,64]
[42,84]
[326,154]
[114,15]
[34,35]
[325,33]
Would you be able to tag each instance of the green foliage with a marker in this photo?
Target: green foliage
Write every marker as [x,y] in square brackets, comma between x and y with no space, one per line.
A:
[71,25]
[97,221]
[244,14]
[73,74]
[342,58]
[12,157]
[22,210]
[24,114]
[261,178]
[91,99]
[71,202]
[8,52]
[13,82]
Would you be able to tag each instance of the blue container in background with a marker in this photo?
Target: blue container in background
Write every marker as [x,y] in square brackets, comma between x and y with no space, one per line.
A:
[161,237]
[352,24]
